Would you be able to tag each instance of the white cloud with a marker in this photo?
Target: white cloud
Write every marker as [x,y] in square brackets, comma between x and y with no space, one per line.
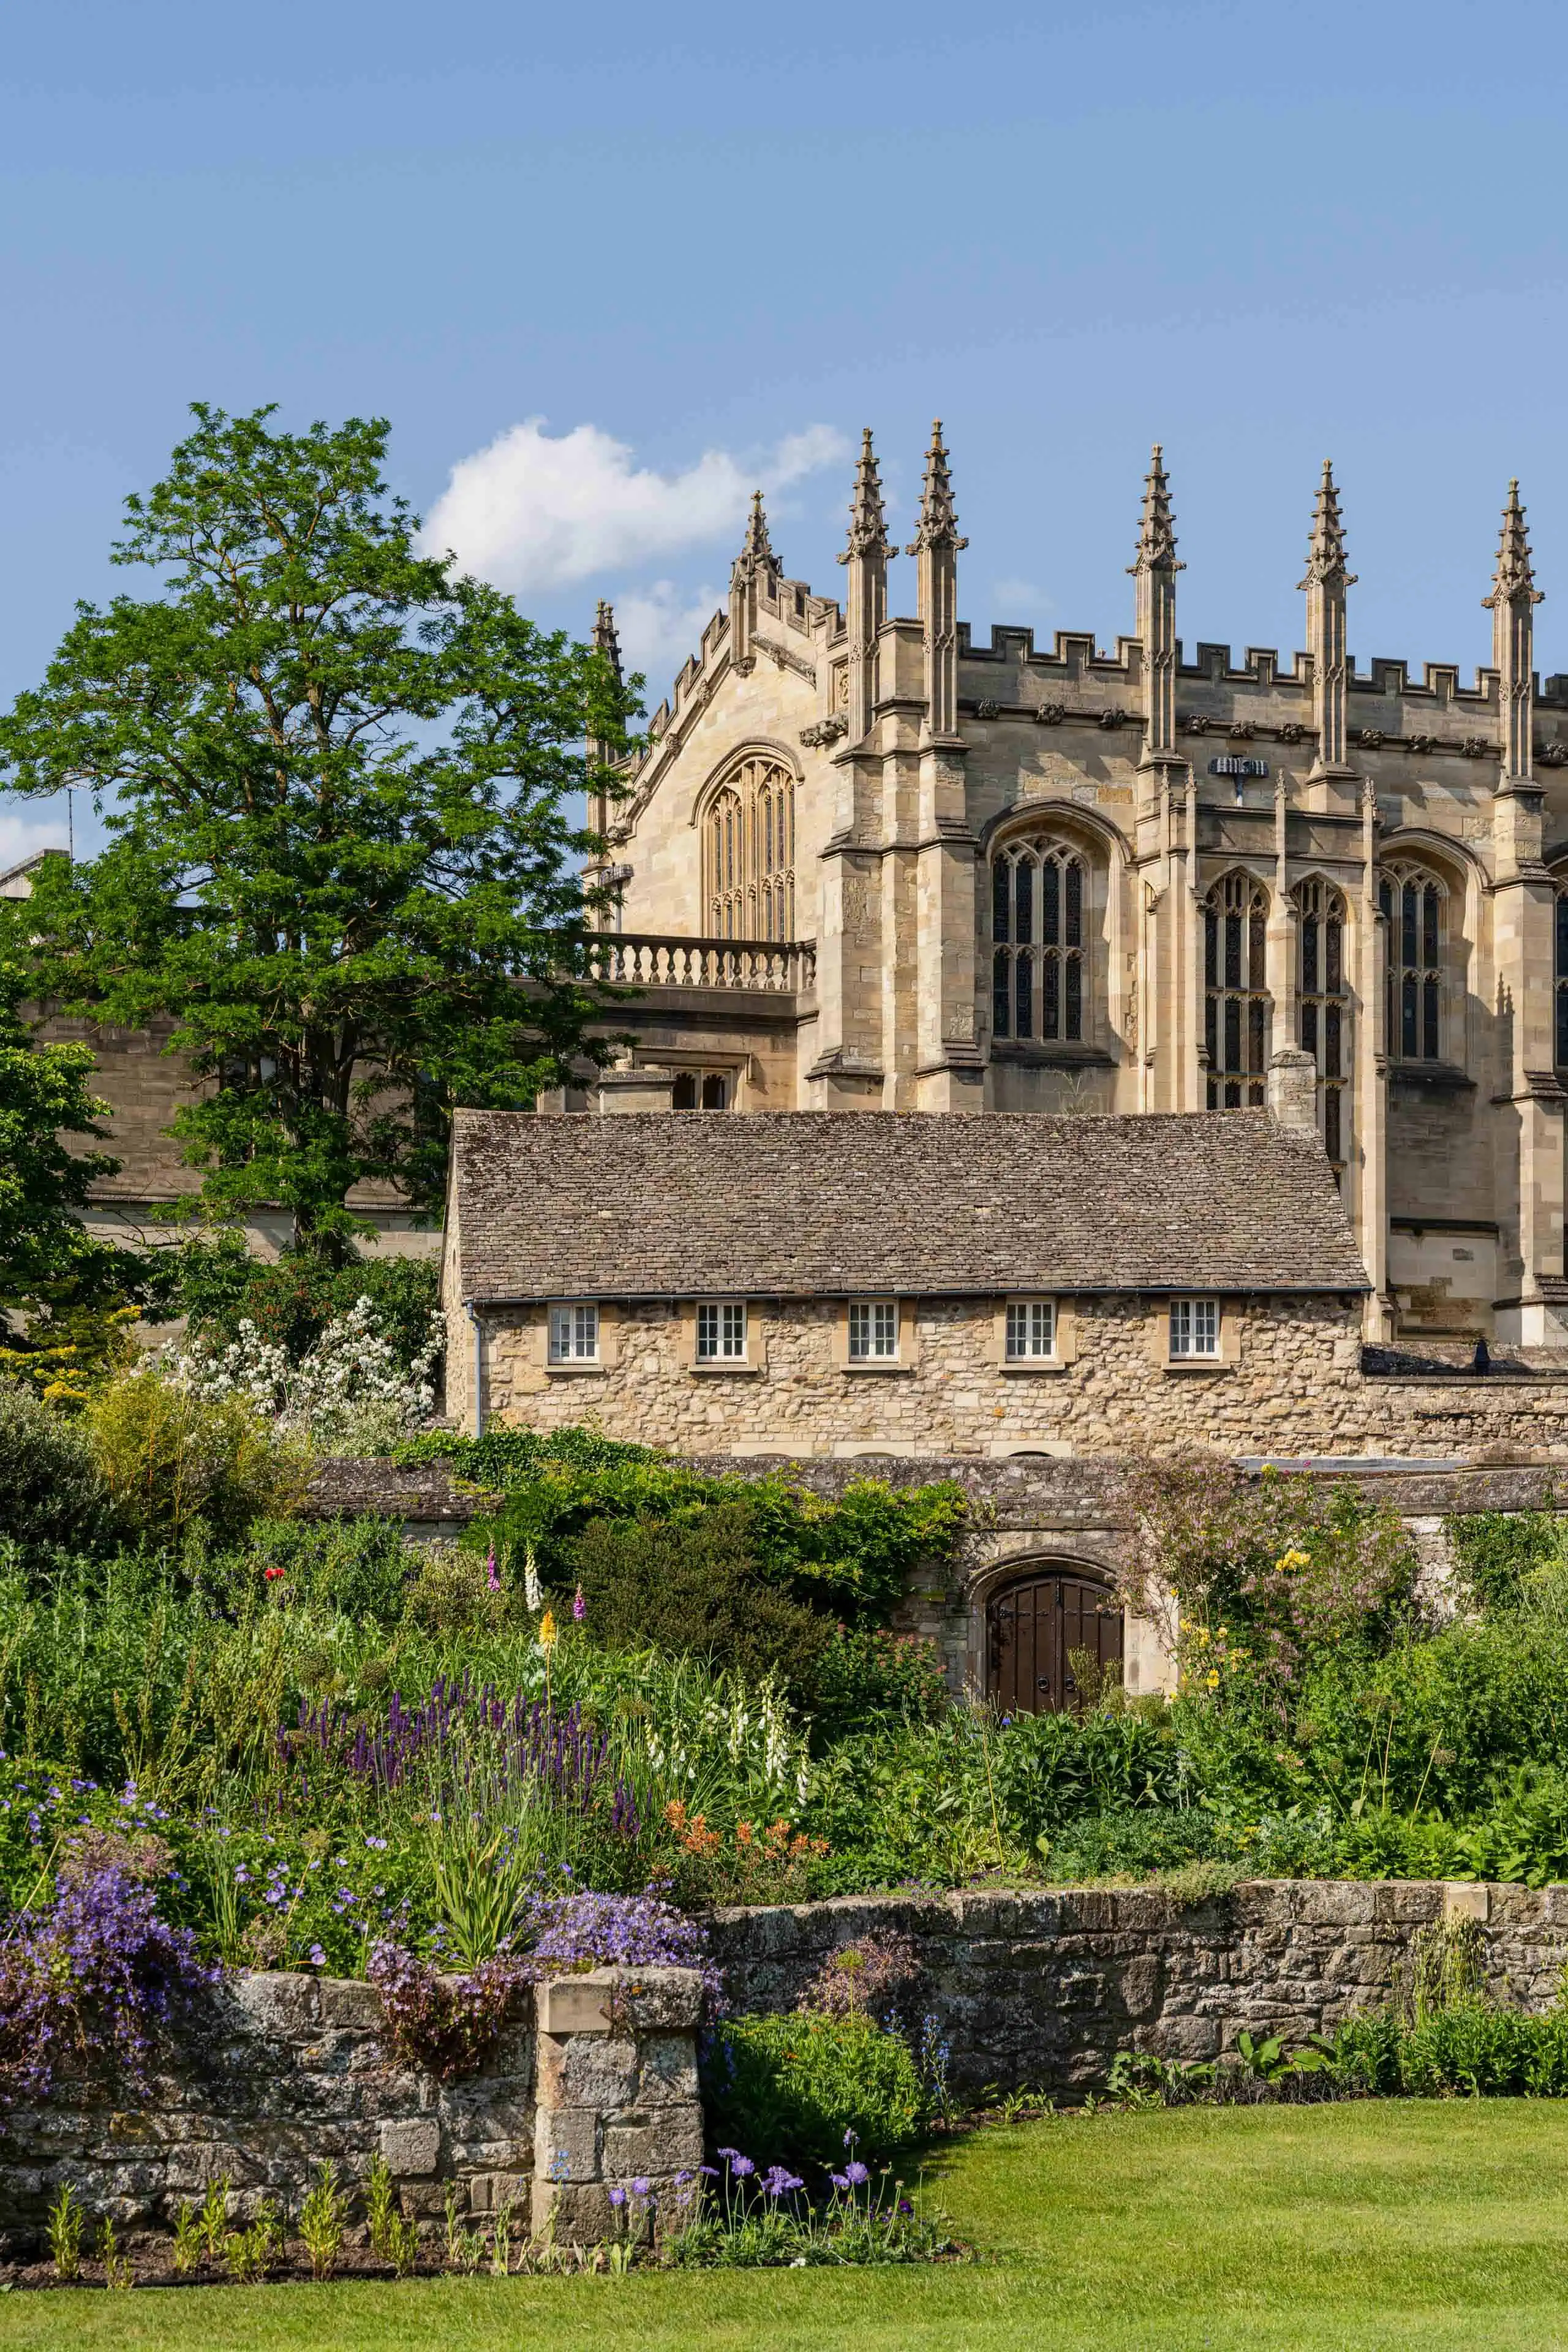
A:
[23,836]
[658,627]
[534,512]
[1013,598]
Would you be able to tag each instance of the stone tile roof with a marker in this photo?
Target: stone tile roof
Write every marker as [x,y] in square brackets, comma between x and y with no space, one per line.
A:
[827,1203]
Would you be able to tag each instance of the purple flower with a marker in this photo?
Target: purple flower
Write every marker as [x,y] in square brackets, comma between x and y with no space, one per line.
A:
[851,2139]
[777,2183]
[318,1958]
[840,2179]
[617,2198]
[856,2174]
[491,1579]
[642,2186]
[741,2166]
[579,1606]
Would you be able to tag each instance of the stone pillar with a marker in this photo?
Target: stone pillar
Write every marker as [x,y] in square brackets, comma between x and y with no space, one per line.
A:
[1369,1065]
[1325,584]
[1191,1083]
[1532,1305]
[948,1065]
[866,589]
[852,944]
[616,2097]
[1154,570]
[756,564]
[598,751]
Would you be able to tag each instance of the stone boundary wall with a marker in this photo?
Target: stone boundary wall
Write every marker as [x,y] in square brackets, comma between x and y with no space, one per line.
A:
[593,2079]
[1020,1490]
[1042,1988]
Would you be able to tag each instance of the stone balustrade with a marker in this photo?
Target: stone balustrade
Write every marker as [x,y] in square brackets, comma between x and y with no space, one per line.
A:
[646,960]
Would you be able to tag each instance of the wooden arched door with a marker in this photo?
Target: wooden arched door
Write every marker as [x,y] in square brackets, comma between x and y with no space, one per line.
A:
[1032,1628]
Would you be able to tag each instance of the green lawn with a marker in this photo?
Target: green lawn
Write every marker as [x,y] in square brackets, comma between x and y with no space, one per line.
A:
[1423,2224]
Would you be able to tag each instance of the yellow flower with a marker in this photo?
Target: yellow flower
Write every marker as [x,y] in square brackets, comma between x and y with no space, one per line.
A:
[1212,1678]
[547,1630]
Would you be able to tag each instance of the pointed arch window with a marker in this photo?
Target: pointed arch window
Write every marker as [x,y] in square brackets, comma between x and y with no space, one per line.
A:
[1038,924]
[1414,902]
[748,853]
[1237,1006]
[1324,1010]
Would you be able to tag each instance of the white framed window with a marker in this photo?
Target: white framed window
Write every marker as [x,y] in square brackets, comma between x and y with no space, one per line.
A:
[720,1331]
[575,1333]
[873,1330]
[1031,1329]
[1195,1329]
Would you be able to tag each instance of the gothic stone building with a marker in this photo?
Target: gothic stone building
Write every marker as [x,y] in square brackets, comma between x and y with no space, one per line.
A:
[867,864]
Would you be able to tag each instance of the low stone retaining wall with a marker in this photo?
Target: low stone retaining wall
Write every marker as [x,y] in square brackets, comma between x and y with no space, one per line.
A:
[1043,1988]
[593,2079]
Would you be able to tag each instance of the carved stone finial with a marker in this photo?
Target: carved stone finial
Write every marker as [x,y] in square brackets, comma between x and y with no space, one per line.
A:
[605,640]
[938,524]
[868,524]
[1326,548]
[756,549]
[1156,533]
[1514,579]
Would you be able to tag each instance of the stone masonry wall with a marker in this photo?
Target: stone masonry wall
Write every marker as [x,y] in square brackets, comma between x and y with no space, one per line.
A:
[1042,1990]
[284,2071]
[1294,1385]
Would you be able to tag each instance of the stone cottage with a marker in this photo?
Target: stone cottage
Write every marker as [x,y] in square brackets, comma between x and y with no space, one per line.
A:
[858,1283]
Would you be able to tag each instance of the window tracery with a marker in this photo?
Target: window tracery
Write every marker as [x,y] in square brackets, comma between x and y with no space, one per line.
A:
[1413,898]
[1237,1005]
[1323,1001]
[1038,984]
[748,853]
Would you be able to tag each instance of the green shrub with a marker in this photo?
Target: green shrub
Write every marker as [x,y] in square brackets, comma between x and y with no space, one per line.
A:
[852,1557]
[694,1590]
[1130,1842]
[787,2089]
[506,1458]
[870,1674]
[171,1458]
[1047,1769]
[52,1493]
[219,1284]
[1496,1551]
[359,1568]
[451,1593]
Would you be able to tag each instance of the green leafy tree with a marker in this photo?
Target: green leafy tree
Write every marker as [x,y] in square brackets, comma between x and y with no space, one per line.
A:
[65,1287]
[338,782]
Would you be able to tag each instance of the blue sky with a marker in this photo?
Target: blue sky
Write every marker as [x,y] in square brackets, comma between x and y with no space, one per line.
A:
[705,245]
